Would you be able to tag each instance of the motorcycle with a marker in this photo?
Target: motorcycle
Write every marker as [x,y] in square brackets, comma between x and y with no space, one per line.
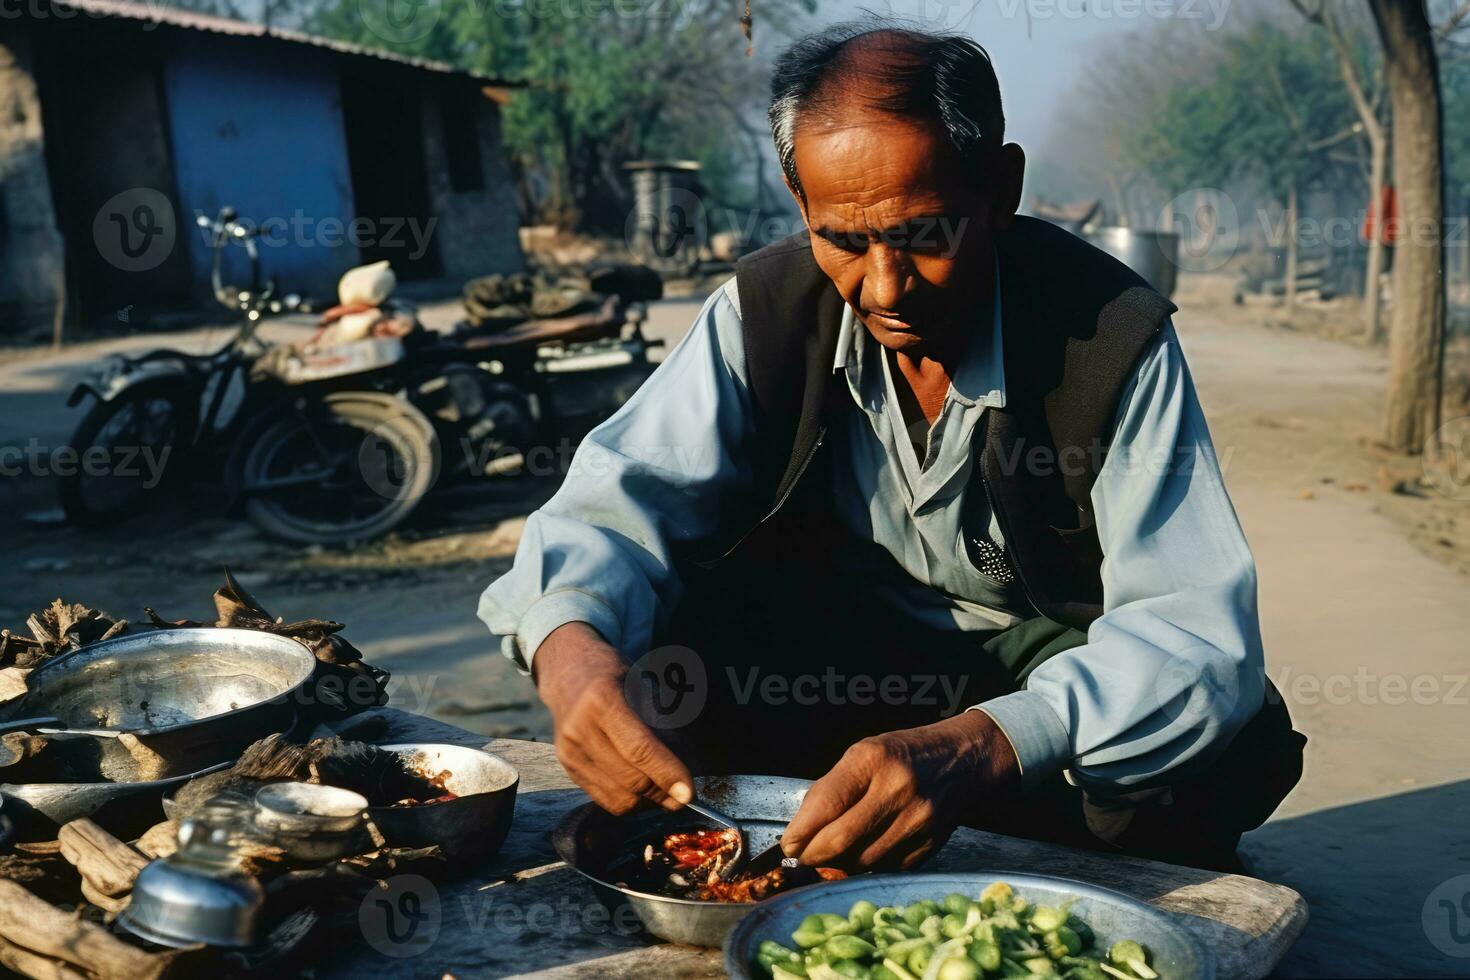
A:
[340,439]
[518,400]
[322,427]
[169,407]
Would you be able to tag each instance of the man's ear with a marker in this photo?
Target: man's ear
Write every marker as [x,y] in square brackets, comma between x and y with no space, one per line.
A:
[1008,177]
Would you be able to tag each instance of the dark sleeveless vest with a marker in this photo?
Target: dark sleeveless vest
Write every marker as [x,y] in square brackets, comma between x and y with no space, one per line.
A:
[1075,322]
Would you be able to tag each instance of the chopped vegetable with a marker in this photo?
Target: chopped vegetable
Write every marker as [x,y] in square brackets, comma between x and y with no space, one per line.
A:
[1133,956]
[993,936]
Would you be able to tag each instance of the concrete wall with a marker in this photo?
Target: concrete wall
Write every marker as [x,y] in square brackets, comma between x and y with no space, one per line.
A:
[259,127]
[31,257]
[477,231]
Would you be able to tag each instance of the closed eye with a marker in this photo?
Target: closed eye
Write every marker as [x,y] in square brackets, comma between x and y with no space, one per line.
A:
[849,241]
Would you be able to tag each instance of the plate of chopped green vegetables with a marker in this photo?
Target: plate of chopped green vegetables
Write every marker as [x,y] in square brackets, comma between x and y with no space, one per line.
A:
[962,927]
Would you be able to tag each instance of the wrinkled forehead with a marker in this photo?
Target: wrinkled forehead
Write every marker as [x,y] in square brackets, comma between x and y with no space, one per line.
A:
[865,169]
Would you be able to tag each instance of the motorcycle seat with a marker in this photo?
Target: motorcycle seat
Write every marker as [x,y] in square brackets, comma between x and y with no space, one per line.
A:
[595,325]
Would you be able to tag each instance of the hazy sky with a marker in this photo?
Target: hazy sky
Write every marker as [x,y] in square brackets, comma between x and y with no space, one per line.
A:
[1037,63]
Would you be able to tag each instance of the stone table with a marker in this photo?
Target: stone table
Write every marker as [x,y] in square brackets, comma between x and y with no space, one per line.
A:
[524,913]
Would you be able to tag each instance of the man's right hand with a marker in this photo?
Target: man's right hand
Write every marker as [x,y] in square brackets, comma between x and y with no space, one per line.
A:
[600,741]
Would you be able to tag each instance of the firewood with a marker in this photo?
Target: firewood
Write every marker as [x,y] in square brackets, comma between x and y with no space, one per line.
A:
[107,903]
[46,875]
[30,964]
[12,682]
[160,840]
[106,864]
[40,928]
[19,747]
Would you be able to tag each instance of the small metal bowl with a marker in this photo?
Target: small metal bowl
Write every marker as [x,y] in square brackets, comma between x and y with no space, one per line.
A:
[180,901]
[470,828]
[312,822]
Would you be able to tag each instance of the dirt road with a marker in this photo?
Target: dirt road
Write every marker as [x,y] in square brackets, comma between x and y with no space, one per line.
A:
[1364,611]
[1365,631]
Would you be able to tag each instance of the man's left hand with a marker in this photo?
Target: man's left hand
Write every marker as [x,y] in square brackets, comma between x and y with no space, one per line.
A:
[893,798]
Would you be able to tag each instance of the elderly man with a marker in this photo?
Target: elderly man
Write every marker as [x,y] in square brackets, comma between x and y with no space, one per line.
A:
[924,505]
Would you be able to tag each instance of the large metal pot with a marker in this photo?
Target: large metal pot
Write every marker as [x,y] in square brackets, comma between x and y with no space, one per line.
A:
[189,699]
[197,683]
[1154,255]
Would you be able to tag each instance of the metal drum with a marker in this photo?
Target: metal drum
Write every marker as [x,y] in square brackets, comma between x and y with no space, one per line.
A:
[1154,255]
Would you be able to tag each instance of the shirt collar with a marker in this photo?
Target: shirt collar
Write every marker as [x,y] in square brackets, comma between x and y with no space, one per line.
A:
[980,379]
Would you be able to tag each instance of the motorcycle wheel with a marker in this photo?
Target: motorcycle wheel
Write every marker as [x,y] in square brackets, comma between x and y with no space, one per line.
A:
[143,428]
[350,468]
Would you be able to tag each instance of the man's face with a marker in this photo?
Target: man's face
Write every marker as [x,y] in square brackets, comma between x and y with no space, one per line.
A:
[897,227]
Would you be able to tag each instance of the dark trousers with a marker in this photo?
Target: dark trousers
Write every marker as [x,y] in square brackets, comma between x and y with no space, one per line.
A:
[798,667]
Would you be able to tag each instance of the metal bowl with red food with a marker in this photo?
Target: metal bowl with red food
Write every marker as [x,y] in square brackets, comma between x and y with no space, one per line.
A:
[469,812]
[631,859]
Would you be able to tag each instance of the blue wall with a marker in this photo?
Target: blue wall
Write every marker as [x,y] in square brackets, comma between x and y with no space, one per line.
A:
[259,127]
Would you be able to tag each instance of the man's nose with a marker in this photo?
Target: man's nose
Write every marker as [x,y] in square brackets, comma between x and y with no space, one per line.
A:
[888,276]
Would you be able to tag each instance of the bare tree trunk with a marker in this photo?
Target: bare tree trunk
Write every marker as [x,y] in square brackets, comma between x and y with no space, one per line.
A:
[1323,14]
[1416,338]
[1291,247]
[1373,287]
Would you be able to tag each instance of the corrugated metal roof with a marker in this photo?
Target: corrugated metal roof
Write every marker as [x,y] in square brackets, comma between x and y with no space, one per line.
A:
[150,11]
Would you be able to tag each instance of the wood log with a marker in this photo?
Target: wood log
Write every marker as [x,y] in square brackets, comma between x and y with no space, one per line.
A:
[30,964]
[13,682]
[46,875]
[160,840]
[105,863]
[40,928]
[107,903]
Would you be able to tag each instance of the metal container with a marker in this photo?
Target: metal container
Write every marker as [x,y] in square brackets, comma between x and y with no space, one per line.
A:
[196,895]
[469,828]
[312,822]
[124,809]
[228,684]
[668,226]
[591,840]
[1154,255]
[195,696]
[1177,955]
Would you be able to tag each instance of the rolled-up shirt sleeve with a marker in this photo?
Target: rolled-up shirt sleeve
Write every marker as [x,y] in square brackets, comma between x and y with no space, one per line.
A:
[1174,667]
[652,477]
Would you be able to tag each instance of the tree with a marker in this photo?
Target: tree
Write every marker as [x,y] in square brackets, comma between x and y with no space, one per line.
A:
[608,81]
[1271,112]
[1416,337]
[1368,105]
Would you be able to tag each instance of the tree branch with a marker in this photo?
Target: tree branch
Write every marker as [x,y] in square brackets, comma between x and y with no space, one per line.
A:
[1453,22]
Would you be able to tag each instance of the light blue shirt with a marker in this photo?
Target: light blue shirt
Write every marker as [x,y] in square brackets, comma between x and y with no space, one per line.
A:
[1171,670]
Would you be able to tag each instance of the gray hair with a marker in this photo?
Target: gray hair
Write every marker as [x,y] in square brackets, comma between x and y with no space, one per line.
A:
[944,77]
